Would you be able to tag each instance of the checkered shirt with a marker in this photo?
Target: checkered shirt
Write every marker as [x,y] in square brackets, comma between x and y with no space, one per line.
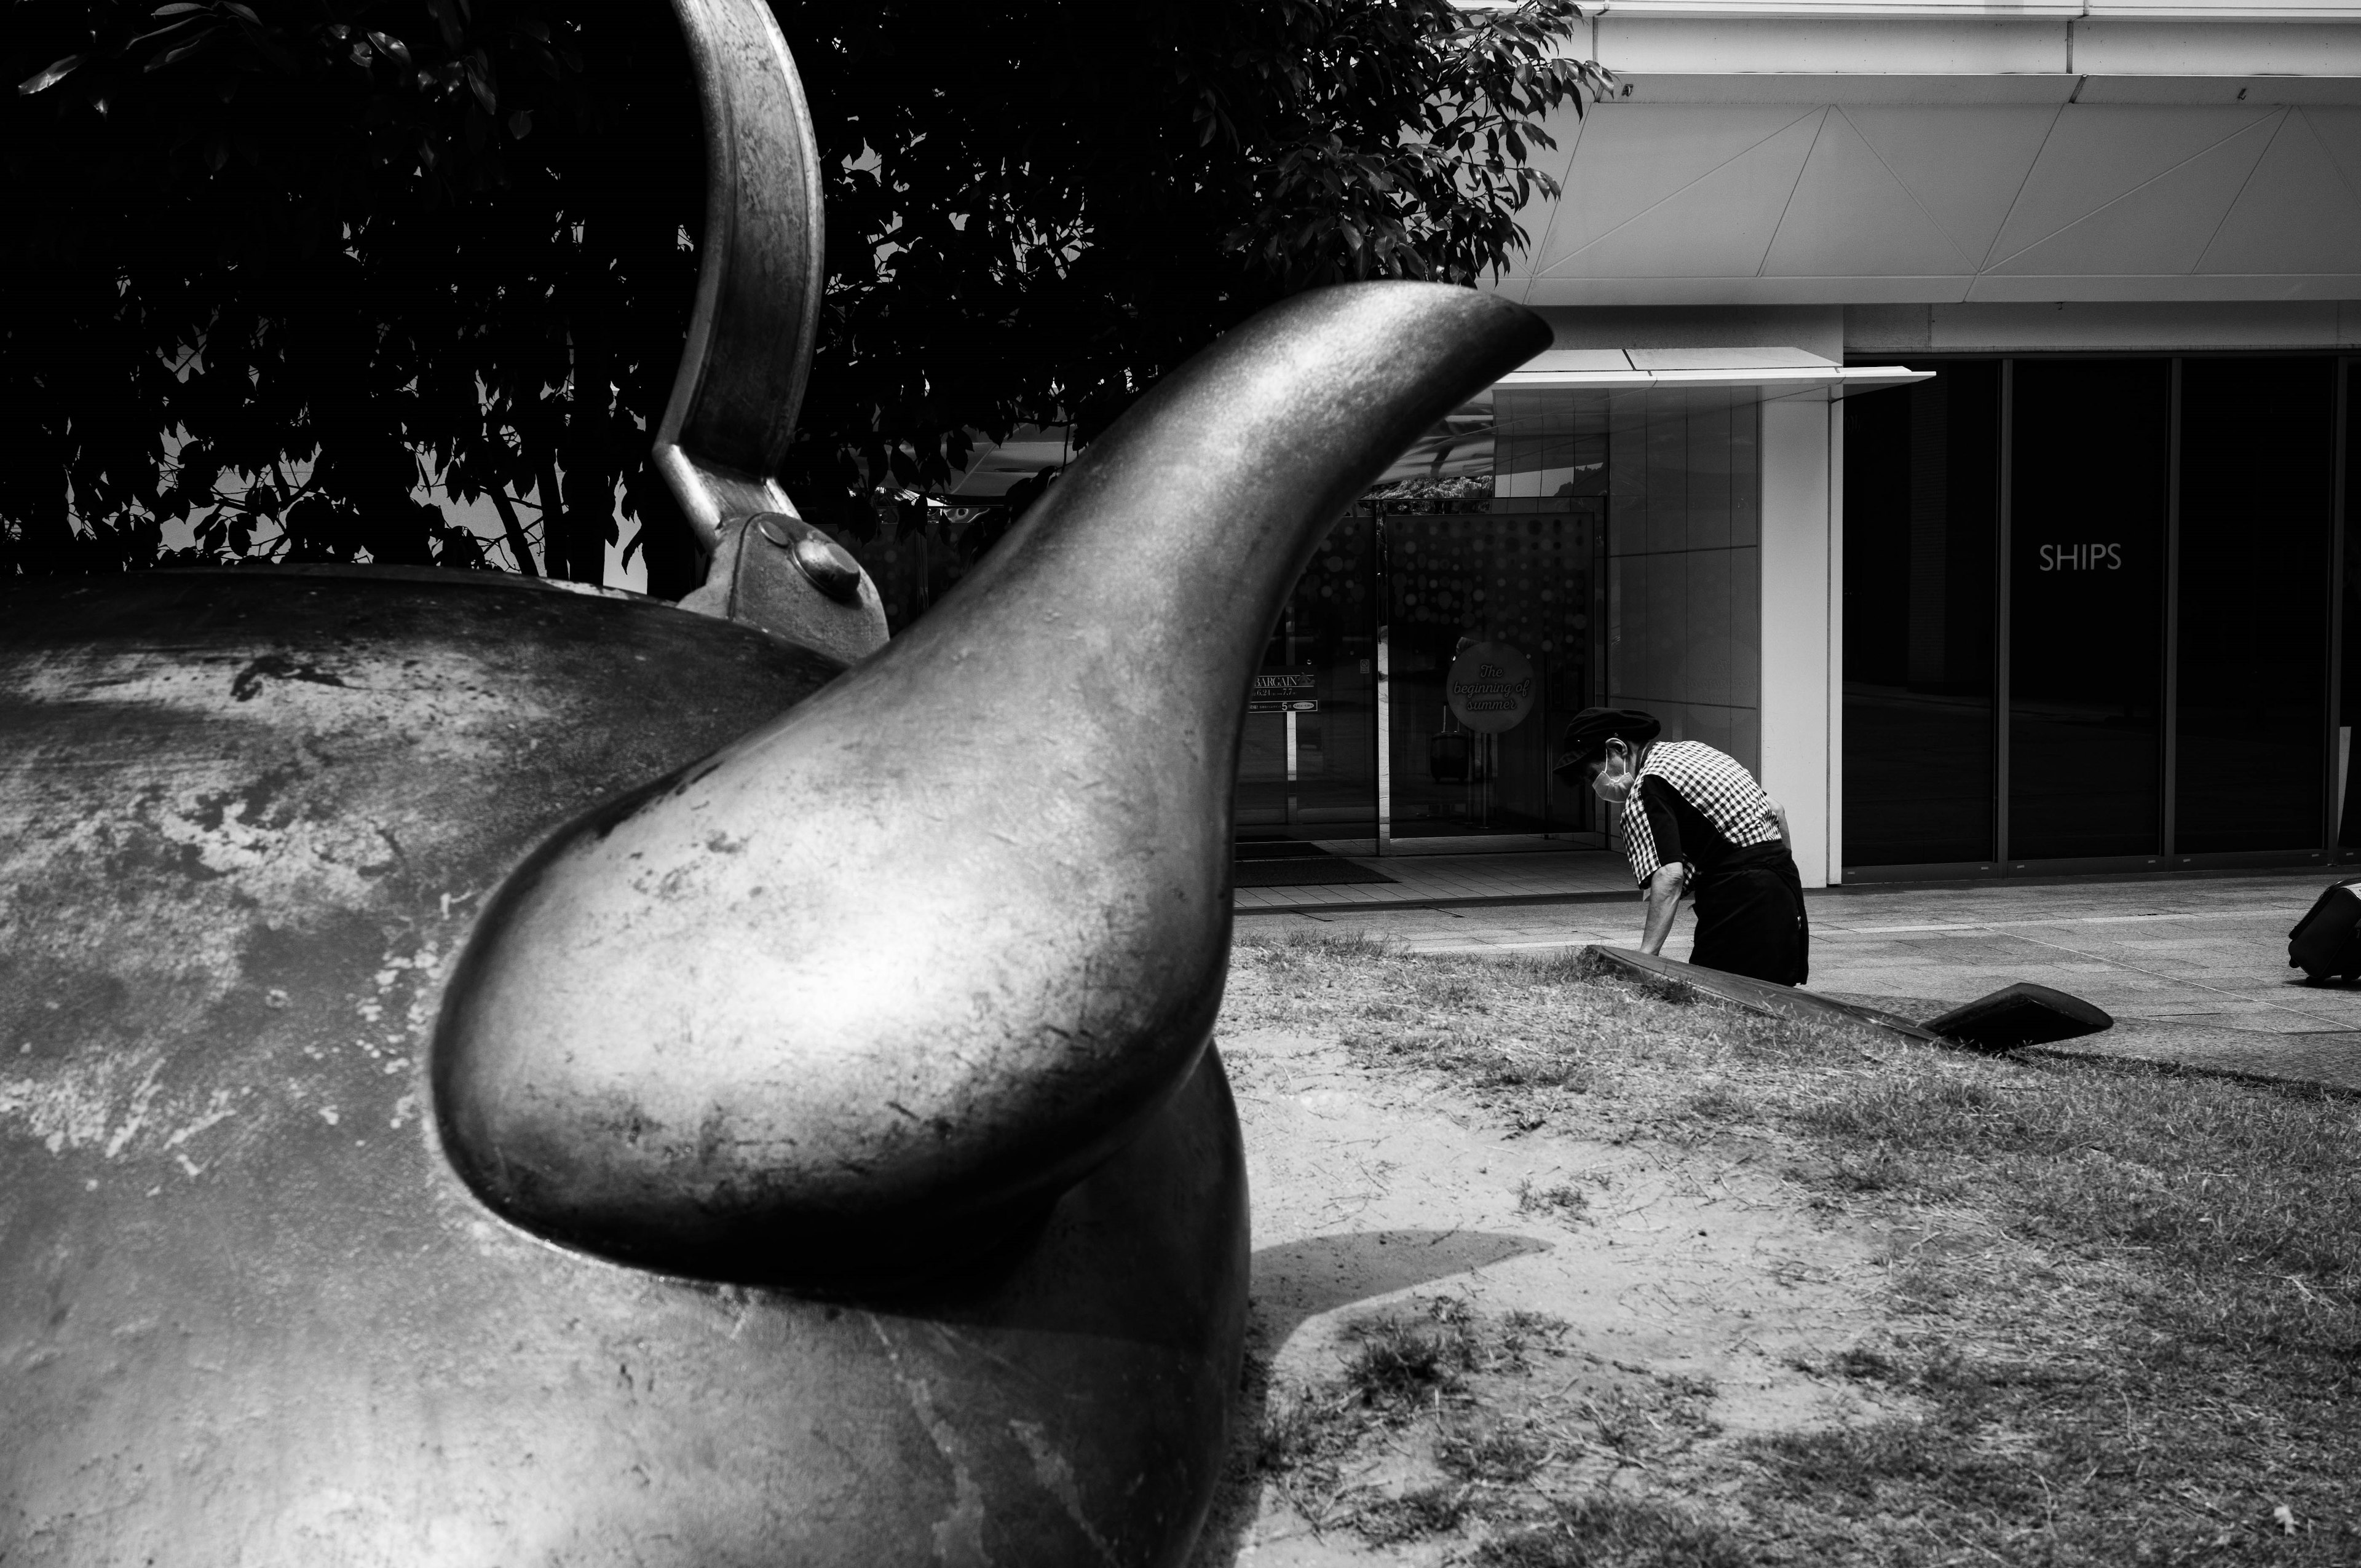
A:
[1724,793]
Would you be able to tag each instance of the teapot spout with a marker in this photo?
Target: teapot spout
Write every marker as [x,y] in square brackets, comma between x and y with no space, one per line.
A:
[899,966]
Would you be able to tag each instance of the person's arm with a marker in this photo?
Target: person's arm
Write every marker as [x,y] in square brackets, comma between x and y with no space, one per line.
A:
[1664,903]
[1779,815]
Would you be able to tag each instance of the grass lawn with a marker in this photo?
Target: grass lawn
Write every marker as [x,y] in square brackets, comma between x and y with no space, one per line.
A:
[2150,1354]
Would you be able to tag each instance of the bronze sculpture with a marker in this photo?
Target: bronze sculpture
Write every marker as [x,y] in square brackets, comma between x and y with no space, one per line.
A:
[817,1155]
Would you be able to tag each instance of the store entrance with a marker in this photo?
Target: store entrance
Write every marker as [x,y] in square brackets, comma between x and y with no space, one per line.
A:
[1482,626]
[2090,618]
[1308,756]
[2089,491]
[1492,619]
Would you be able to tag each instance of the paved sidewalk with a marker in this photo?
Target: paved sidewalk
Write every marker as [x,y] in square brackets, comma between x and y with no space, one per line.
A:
[2195,969]
[1546,876]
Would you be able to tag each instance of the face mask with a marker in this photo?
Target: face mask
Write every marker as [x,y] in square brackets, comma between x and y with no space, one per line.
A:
[1613,784]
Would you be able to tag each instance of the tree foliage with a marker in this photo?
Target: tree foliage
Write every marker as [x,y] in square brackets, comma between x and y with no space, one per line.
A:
[282,266]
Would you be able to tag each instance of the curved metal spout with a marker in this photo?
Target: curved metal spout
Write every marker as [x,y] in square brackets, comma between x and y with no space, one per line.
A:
[883,975]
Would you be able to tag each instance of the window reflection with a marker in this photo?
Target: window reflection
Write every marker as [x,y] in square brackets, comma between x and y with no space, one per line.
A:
[2257,481]
[1922,478]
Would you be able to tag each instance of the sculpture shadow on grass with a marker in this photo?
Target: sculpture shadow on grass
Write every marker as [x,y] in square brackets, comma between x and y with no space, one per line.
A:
[1297,1281]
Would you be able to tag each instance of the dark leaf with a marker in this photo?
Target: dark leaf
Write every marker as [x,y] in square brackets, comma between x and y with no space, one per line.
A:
[479,81]
[169,29]
[180,51]
[52,74]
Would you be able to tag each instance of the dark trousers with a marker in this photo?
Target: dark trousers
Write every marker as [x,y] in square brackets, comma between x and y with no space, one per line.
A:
[1750,917]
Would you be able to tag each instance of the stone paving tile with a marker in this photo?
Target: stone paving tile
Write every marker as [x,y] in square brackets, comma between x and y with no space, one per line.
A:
[2328,1058]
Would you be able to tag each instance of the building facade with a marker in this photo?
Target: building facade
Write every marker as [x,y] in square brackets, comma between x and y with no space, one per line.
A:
[1968,394]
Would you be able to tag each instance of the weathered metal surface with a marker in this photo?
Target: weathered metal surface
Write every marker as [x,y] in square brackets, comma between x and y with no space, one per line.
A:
[247,1312]
[927,949]
[857,1071]
[762,576]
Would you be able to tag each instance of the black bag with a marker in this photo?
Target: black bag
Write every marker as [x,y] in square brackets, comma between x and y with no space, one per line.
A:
[1450,758]
[2327,940]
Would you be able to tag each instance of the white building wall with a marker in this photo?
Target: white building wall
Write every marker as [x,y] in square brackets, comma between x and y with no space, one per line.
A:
[1683,566]
[1798,720]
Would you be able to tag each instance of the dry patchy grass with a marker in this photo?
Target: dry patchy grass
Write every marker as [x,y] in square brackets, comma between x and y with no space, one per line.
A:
[1444,1419]
[2154,1361]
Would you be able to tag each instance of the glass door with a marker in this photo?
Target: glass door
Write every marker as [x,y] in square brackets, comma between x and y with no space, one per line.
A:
[1307,764]
[2257,490]
[1491,622]
[2102,595]
[1922,516]
[2087,539]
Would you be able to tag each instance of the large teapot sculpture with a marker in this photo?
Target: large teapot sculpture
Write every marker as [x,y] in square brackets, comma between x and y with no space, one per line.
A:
[495,1075]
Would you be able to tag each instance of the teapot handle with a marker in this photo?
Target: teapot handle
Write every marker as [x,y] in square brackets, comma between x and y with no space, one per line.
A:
[732,413]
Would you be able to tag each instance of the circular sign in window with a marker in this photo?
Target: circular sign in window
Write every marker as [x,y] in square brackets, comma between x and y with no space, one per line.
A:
[1490,688]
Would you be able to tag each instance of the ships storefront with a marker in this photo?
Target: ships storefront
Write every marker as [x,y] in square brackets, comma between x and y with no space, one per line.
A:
[2052,613]
[2093,613]
[1967,614]
[2098,616]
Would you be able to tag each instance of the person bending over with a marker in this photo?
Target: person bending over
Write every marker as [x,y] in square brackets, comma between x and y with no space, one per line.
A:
[1694,819]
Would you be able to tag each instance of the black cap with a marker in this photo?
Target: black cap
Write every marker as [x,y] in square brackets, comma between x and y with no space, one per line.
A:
[1587,732]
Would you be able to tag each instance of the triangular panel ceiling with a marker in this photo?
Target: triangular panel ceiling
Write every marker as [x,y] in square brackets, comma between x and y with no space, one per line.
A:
[1716,227]
[1540,214]
[2339,130]
[1850,216]
[1633,157]
[2098,152]
[2161,228]
[2296,214]
[1965,164]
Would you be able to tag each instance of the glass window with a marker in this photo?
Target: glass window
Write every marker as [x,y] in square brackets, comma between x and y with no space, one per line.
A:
[1921,532]
[1485,599]
[1307,762]
[2257,485]
[2092,444]
[2348,825]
